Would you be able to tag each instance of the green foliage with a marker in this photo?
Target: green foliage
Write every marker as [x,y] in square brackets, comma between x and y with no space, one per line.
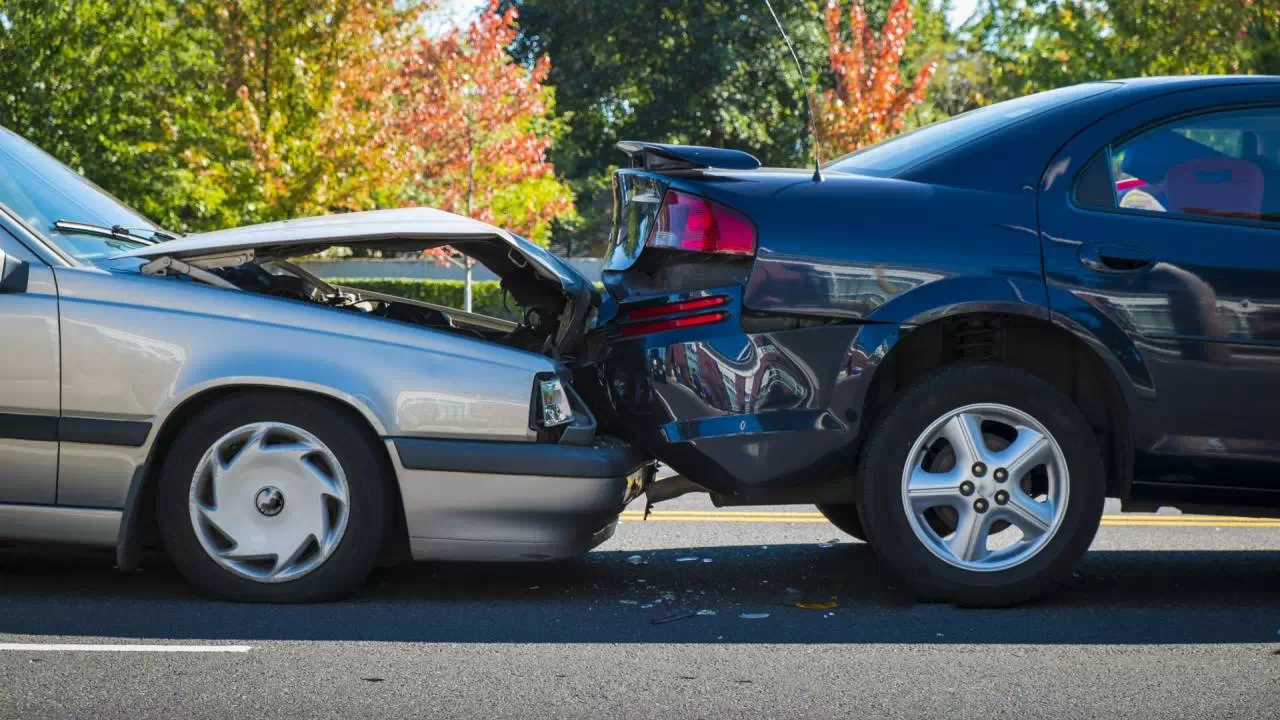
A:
[1023,46]
[704,72]
[118,91]
[486,297]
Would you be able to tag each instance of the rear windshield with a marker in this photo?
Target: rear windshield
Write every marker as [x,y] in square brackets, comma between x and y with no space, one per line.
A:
[905,151]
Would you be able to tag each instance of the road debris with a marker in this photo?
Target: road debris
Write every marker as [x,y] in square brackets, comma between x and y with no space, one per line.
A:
[628,602]
[816,606]
[635,560]
[707,560]
[706,613]
[791,596]
[687,559]
[754,616]
[830,543]
[672,618]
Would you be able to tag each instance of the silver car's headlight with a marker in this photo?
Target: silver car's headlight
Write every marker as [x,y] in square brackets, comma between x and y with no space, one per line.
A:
[554,401]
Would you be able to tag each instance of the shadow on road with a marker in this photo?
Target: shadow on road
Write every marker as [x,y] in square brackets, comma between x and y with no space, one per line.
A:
[1118,598]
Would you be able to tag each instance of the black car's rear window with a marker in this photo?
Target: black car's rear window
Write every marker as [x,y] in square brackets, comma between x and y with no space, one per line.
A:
[905,151]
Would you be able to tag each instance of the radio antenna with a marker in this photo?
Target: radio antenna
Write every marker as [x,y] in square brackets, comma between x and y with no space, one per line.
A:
[808,95]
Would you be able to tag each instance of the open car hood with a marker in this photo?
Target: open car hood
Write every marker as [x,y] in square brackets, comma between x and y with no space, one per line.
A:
[527,271]
[401,230]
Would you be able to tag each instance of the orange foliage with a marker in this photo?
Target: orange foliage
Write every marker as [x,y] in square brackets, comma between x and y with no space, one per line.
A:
[478,128]
[870,101]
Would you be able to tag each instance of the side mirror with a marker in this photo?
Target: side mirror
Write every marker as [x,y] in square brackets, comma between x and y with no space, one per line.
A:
[13,274]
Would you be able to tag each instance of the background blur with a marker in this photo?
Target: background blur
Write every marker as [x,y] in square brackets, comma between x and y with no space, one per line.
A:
[212,113]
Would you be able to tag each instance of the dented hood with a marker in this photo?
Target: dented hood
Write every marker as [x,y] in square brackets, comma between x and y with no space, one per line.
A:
[401,230]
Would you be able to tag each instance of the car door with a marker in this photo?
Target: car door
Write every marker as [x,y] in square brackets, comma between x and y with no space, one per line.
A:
[1163,220]
[29,379]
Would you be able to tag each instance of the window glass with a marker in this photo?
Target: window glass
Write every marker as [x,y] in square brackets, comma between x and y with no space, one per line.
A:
[1216,165]
[907,150]
[41,191]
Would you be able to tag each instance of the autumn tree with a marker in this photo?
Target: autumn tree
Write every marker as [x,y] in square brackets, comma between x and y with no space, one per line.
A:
[307,103]
[479,127]
[871,98]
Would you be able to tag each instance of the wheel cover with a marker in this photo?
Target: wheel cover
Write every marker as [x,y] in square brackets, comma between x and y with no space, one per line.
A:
[269,502]
[1006,485]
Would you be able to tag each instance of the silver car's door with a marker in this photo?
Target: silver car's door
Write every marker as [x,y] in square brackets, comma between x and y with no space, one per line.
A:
[29,377]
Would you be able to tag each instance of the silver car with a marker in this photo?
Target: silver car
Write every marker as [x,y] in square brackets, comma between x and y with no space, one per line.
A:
[276,434]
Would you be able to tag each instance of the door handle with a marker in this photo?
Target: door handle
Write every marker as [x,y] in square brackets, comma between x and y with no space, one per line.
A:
[1114,258]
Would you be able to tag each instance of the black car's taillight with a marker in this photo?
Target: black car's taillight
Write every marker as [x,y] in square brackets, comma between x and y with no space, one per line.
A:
[673,315]
[694,223]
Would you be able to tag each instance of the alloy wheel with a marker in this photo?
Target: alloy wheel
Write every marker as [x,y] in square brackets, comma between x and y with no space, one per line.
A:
[985,487]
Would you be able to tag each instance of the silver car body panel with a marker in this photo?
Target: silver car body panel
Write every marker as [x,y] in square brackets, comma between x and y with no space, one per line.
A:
[48,523]
[511,518]
[29,382]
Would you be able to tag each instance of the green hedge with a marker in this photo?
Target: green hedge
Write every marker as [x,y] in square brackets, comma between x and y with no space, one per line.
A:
[486,297]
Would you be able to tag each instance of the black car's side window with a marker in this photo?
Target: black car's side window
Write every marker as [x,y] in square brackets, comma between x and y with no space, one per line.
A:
[1222,165]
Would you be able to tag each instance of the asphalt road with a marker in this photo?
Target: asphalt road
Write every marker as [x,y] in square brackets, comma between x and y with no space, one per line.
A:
[1169,618]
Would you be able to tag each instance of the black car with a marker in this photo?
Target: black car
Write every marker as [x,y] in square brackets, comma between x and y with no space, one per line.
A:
[958,342]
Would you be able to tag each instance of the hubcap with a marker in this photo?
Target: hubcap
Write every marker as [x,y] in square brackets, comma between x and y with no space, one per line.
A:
[980,520]
[269,502]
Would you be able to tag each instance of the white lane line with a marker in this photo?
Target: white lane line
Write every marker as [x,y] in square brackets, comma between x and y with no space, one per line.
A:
[43,647]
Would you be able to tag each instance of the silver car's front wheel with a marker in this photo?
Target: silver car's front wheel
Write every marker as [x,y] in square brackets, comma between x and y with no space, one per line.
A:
[985,487]
[269,502]
[274,497]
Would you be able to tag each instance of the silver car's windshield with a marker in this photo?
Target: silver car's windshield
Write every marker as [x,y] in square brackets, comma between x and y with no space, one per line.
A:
[42,191]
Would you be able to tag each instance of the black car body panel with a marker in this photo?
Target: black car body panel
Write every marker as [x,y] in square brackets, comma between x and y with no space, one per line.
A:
[770,404]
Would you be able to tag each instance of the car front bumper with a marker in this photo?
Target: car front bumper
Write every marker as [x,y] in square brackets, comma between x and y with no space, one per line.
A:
[505,501]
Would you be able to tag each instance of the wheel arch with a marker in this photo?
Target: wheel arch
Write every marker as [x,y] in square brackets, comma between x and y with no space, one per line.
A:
[138,522]
[1065,355]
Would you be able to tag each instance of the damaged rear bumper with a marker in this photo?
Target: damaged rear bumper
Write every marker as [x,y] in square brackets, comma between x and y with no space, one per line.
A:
[514,501]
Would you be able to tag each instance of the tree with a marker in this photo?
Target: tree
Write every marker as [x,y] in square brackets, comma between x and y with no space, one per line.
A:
[306,111]
[116,91]
[478,127]
[870,99]
[703,72]
[1026,46]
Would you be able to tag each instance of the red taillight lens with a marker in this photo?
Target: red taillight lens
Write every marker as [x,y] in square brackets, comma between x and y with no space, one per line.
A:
[645,328]
[654,311]
[692,222]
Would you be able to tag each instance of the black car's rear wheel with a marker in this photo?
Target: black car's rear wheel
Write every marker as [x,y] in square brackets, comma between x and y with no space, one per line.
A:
[846,518]
[981,485]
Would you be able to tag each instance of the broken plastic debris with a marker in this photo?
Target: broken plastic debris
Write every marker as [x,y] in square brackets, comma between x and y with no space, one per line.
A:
[705,613]
[628,602]
[706,560]
[687,559]
[816,606]
[646,606]
[671,618]
[754,616]
[635,560]
[830,543]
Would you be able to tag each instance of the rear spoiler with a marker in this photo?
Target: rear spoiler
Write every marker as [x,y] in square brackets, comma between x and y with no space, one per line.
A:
[661,157]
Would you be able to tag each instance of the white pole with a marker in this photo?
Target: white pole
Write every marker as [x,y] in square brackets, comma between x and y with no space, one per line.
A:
[466,287]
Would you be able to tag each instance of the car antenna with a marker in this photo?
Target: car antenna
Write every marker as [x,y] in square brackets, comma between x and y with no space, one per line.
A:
[808,94]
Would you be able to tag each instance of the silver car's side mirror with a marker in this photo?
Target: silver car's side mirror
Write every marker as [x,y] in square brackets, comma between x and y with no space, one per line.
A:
[13,274]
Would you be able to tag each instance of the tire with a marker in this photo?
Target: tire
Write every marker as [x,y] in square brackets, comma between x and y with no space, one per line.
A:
[845,517]
[921,546]
[325,465]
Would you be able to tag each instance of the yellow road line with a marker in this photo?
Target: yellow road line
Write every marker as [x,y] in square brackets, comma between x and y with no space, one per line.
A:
[748,516]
